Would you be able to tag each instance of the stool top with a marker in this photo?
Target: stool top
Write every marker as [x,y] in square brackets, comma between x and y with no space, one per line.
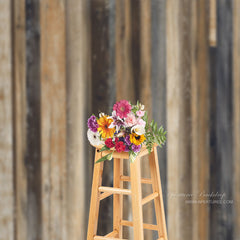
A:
[124,155]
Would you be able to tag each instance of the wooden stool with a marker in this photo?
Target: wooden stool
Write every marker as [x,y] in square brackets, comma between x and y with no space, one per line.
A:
[100,192]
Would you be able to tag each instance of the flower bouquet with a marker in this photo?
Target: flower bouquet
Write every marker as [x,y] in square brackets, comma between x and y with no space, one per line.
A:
[126,130]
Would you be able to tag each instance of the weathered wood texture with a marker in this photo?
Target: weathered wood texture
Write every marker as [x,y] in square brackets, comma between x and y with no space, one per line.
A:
[53,119]
[178,117]
[200,117]
[6,131]
[62,60]
[158,76]
[19,117]
[236,118]
[33,145]
[77,67]
[221,181]
[101,88]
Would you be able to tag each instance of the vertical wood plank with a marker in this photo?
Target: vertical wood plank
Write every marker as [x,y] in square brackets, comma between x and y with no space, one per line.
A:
[125,82]
[53,119]
[77,53]
[178,117]
[6,143]
[221,222]
[33,146]
[145,92]
[102,89]
[213,23]
[236,118]
[19,115]
[158,88]
[124,76]
[200,121]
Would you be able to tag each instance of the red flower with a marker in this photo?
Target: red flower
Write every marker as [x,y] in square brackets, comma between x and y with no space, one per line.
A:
[120,147]
[109,143]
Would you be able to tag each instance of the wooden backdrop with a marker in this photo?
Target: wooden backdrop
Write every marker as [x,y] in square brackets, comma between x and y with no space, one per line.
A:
[62,60]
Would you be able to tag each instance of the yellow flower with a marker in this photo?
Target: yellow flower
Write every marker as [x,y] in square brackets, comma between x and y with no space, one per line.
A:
[137,139]
[104,123]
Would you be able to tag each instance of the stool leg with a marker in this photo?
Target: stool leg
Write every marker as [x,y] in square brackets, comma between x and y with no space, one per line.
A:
[117,198]
[156,184]
[95,200]
[136,199]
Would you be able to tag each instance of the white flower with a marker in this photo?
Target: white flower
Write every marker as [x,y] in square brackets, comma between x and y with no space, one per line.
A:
[94,138]
[138,129]
[142,107]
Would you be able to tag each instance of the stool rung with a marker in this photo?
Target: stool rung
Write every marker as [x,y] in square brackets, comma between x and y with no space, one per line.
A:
[112,234]
[115,190]
[143,180]
[145,225]
[104,195]
[107,238]
[149,198]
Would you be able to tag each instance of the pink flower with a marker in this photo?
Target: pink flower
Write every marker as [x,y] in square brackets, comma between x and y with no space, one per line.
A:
[130,120]
[141,122]
[140,113]
[122,108]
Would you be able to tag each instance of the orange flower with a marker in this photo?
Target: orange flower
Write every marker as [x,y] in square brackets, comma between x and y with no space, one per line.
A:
[104,123]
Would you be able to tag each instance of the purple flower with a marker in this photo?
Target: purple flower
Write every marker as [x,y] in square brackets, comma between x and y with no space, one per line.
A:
[127,140]
[126,148]
[92,123]
[136,148]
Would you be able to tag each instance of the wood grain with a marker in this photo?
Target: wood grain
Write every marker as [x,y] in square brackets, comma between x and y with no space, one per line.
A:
[124,75]
[200,121]
[53,119]
[178,117]
[77,70]
[101,88]
[19,116]
[145,92]
[6,131]
[221,162]
[33,145]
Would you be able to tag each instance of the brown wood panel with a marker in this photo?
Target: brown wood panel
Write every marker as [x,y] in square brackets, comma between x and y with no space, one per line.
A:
[124,75]
[145,93]
[158,77]
[178,117]
[77,69]
[6,131]
[19,116]
[102,89]
[53,119]
[33,148]
[221,99]
[236,116]
[200,118]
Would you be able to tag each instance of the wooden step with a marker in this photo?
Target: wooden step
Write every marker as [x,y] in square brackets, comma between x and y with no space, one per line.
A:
[145,225]
[143,180]
[107,238]
[149,198]
[115,190]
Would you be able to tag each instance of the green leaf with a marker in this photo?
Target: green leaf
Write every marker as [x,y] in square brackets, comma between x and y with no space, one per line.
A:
[154,127]
[104,148]
[132,156]
[106,157]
